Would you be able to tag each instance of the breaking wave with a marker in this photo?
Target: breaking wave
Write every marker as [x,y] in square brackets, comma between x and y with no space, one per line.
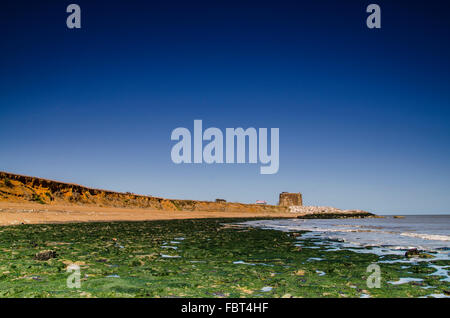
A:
[434,237]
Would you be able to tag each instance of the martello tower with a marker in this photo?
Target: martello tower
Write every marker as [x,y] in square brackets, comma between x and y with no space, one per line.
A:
[289,199]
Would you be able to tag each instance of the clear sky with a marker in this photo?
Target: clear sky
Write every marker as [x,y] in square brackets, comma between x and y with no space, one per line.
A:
[363,114]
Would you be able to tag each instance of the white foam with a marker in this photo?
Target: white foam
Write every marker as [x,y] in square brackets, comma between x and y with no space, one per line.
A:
[315,259]
[320,273]
[436,296]
[405,280]
[433,237]
[167,246]
[169,256]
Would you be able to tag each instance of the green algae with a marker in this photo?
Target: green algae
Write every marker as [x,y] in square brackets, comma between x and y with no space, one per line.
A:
[194,258]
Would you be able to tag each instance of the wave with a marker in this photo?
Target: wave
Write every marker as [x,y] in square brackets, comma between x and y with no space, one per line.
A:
[380,238]
[433,237]
[359,229]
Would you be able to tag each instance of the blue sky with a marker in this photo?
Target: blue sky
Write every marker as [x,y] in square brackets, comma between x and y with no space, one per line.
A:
[363,114]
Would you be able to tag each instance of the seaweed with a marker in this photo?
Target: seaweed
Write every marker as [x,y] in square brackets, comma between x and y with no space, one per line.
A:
[211,259]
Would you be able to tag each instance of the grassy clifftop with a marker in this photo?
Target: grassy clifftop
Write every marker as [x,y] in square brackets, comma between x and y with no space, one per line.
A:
[20,189]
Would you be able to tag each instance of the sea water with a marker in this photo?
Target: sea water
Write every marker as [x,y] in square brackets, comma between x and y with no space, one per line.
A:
[390,235]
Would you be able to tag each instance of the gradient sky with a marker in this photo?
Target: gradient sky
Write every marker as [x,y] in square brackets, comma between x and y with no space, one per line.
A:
[363,114]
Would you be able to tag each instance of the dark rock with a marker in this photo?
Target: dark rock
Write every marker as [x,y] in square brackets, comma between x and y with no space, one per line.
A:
[340,215]
[45,255]
[412,253]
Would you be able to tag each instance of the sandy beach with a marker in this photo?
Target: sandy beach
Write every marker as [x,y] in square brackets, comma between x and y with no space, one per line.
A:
[35,213]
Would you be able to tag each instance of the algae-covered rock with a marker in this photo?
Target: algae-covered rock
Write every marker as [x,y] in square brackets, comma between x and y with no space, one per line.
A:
[45,255]
[414,252]
[300,272]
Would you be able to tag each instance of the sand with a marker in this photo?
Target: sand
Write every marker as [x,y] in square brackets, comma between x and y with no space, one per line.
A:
[35,213]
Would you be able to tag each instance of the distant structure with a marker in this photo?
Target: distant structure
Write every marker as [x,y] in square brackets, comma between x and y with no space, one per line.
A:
[290,199]
[221,200]
[261,202]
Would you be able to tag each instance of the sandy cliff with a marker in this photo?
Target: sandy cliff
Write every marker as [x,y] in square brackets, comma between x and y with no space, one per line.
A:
[24,189]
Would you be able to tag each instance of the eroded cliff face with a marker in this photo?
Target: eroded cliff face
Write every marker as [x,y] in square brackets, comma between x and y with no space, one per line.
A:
[20,189]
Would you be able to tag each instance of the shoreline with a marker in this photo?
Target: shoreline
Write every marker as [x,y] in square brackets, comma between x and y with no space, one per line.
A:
[36,213]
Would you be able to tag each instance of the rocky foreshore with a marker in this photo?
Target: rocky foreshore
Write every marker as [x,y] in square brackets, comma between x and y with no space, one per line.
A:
[327,212]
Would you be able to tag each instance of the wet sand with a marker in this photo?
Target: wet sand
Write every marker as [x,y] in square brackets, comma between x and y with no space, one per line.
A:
[34,213]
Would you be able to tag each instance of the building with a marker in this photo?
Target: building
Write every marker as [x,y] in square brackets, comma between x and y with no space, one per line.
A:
[261,202]
[290,199]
